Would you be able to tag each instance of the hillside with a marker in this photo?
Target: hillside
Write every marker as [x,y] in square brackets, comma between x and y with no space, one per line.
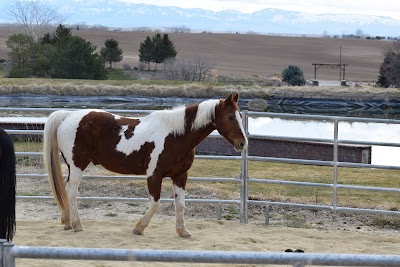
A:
[253,55]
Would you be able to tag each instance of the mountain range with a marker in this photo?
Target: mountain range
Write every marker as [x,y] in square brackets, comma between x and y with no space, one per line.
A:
[118,14]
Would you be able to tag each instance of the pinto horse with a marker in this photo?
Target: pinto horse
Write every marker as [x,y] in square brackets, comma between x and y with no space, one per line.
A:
[7,186]
[158,145]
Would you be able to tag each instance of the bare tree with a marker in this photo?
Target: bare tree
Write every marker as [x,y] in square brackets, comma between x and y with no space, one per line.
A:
[170,70]
[179,29]
[34,17]
[187,69]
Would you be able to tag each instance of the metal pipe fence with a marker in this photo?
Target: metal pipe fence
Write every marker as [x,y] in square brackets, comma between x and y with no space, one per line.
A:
[244,159]
[244,180]
[9,252]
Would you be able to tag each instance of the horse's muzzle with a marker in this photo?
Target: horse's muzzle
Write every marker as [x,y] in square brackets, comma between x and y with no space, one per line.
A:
[241,145]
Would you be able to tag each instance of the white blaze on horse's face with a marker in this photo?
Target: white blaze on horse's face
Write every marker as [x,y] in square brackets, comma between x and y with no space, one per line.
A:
[240,123]
[229,123]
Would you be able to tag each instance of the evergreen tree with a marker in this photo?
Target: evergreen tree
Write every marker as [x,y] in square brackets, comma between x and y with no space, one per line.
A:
[146,51]
[60,33]
[168,48]
[21,46]
[76,59]
[382,80]
[293,75]
[389,70]
[21,49]
[111,52]
[156,49]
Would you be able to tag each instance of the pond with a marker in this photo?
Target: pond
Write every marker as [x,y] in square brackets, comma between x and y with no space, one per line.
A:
[373,132]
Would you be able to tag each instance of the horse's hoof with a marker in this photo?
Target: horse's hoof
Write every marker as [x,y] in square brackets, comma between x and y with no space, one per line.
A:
[67,227]
[78,230]
[186,235]
[136,232]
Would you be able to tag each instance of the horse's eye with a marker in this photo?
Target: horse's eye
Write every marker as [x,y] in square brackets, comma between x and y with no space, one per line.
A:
[231,117]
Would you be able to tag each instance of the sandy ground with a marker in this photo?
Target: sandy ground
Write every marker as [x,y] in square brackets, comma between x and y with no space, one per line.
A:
[207,234]
[110,225]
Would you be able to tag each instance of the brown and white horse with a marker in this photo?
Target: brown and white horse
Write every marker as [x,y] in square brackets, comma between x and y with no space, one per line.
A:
[158,145]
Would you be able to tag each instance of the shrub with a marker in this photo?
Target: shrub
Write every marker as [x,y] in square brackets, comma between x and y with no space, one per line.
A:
[389,70]
[293,75]
[127,67]
[17,72]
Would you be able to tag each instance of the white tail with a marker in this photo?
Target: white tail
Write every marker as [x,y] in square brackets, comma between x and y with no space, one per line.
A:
[51,157]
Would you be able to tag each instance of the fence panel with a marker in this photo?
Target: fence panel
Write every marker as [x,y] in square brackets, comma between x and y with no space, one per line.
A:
[245,180]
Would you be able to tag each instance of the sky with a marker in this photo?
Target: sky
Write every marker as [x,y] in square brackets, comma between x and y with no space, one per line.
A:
[389,8]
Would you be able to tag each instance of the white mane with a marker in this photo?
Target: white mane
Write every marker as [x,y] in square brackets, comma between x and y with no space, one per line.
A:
[205,113]
[174,119]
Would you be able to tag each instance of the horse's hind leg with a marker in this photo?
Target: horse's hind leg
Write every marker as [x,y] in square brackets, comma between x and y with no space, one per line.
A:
[65,213]
[71,187]
[179,194]
[154,186]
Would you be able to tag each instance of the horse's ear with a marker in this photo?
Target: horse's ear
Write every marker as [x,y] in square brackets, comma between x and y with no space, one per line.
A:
[229,98]
[236,98]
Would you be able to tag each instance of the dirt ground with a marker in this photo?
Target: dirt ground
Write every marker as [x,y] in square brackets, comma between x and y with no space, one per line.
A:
[252,55]
[110,225]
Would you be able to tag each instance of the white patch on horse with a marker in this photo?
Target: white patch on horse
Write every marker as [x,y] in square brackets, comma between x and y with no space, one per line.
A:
[239,120]
[153,128]
[205,113]
[66,133]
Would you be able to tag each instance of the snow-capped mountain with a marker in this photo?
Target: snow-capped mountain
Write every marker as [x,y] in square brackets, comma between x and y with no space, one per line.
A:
[128,15]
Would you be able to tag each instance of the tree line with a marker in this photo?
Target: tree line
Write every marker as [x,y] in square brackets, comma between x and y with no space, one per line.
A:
[64,55]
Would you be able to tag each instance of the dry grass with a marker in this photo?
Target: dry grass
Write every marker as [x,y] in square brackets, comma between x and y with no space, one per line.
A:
[187,89]
[304,173]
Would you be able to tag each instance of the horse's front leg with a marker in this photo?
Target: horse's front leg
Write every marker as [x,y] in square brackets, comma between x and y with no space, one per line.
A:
[179,194]
[154,186]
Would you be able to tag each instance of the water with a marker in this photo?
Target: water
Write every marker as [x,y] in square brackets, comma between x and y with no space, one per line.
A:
[372,109]
[264,126]
[373,132]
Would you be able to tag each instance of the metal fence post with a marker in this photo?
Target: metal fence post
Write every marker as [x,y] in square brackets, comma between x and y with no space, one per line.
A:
[266,209]
[2,241]
[6,260]
[244,174]
[335,163]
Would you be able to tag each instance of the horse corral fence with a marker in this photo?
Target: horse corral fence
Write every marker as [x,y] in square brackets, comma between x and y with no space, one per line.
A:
[8,252]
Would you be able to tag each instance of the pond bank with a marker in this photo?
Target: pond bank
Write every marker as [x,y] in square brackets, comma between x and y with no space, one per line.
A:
[335,100]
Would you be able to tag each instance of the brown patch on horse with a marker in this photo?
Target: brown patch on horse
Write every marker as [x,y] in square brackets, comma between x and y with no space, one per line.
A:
[190,116]
[96,141]
[178,154]
[131,126]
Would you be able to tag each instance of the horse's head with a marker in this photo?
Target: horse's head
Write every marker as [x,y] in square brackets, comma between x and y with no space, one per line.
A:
[229,123]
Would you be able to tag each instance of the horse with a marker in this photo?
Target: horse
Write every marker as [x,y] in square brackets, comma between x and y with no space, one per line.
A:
[7,186]
[158,145]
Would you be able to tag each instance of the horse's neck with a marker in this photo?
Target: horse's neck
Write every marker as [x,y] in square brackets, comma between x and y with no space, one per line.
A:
[193,138]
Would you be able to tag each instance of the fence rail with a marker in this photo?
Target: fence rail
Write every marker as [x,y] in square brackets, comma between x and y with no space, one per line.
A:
[10,252]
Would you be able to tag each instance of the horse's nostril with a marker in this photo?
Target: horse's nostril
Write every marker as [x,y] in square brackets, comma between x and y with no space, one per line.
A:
[241,144]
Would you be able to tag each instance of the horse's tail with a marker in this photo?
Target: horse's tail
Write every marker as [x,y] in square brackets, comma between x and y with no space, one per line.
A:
[51,157]
[7,186]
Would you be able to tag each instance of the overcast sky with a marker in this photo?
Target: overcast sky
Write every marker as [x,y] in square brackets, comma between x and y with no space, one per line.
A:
[366,7]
